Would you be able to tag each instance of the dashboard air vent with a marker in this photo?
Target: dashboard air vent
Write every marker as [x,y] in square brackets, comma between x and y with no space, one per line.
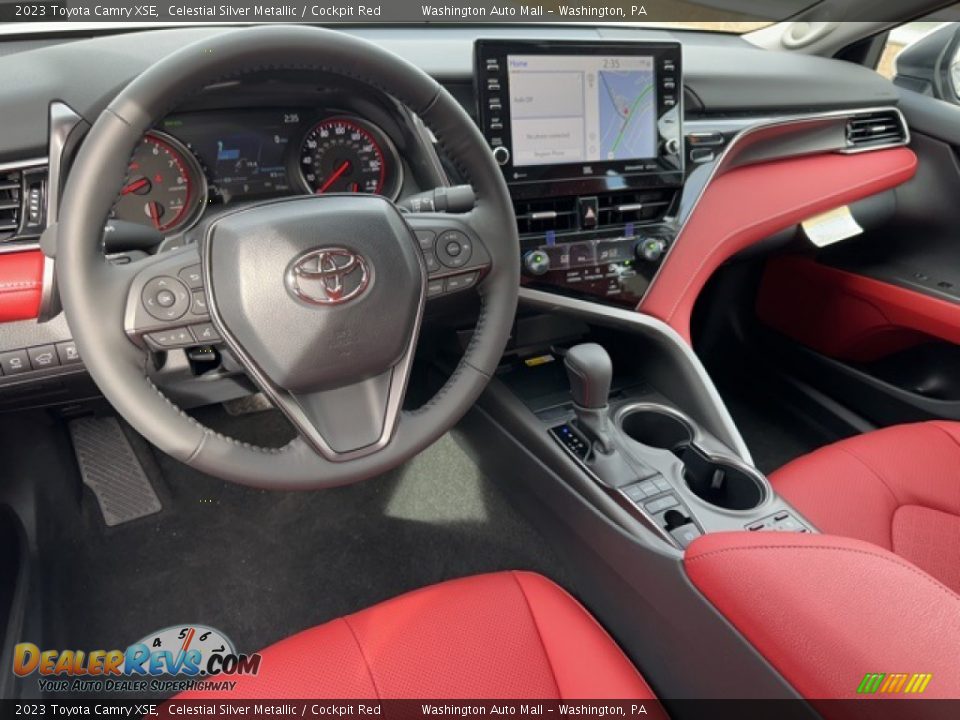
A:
[876,129]
[10,200]
[561,214]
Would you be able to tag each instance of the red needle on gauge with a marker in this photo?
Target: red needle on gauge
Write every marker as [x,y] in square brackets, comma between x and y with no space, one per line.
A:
[333,178]
[134,186]
[154,209]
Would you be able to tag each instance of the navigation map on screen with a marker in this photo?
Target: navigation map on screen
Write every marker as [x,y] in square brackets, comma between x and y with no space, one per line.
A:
[574,109]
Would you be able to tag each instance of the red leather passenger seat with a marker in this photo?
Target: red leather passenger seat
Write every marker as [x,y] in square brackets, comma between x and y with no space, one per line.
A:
[504,635]
[898,488]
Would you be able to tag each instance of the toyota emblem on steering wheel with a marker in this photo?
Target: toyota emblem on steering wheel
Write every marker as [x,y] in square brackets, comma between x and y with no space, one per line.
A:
[328,276]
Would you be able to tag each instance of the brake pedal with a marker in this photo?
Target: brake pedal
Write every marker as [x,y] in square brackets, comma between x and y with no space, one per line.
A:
[110,468]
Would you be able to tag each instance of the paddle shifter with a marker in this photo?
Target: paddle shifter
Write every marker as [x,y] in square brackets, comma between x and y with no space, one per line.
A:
[590,372]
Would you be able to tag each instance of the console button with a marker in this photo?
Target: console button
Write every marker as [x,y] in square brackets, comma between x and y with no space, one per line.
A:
[663,503]
[166,298]
[171,338]
[192,276]
[454,248]
[649,488]
[685,534]
[14,363]
[68,353]
[635,492]
[43,357]
[205,333]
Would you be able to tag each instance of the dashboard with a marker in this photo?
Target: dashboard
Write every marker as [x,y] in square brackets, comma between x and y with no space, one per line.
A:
[195,160]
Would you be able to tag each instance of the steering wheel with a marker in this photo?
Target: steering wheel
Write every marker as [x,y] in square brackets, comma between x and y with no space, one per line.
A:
[319,298]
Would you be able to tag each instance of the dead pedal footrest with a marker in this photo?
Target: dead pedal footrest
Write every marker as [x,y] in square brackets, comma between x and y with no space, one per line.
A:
[110,468]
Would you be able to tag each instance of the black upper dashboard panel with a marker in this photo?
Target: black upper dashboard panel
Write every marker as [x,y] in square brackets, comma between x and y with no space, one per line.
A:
[724,74]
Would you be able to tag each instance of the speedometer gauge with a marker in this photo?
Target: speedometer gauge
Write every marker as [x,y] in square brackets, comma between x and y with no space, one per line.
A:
[164,188]
[349,155]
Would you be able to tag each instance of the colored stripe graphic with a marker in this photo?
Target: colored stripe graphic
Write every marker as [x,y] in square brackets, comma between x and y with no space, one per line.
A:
[894,683]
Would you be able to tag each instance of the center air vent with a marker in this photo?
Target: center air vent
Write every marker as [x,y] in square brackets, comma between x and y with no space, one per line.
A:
[561,214]
[10,200]
[873,130]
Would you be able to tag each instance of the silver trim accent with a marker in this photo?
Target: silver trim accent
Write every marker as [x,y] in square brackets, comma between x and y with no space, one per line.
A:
[630,207]
[23,164]
[63,121]
[543,215]
[609,315]
[279,397]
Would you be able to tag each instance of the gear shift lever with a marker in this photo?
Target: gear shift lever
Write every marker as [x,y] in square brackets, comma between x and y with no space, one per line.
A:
[590,372]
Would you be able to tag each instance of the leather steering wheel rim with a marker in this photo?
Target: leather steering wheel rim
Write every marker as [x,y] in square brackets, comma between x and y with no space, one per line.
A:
[88,283]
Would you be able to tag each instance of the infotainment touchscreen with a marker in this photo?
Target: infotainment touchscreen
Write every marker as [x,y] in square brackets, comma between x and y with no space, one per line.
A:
[572,109]
[605,114]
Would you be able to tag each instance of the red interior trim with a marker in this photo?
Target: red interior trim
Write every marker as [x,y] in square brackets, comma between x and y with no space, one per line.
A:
[21,285]
[848,316]
[749,204]
[826,610]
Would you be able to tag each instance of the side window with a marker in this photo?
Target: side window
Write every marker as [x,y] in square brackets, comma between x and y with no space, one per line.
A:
[900,39]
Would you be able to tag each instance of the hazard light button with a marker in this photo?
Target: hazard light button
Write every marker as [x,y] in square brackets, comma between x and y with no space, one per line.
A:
[587,209]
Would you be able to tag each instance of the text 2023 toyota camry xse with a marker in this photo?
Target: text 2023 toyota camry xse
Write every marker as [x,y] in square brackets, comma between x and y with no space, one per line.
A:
[541,362]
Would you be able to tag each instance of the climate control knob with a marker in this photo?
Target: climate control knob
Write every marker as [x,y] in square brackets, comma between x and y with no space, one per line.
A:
[650,249]
[536,262]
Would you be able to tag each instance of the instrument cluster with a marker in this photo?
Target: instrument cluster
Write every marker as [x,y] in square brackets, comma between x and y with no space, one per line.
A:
[193,160]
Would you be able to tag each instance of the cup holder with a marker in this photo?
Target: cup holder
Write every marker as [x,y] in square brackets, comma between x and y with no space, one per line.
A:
[721,482]
[656,427]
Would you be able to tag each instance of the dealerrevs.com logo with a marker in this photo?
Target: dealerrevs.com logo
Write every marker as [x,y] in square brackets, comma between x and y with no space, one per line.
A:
[188,652]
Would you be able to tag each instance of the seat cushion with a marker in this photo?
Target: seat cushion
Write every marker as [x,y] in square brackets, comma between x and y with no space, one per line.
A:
[898,488]
[497,636]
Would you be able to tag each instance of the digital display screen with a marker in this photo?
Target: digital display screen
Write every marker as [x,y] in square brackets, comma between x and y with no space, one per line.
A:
[245,153]
[576,109]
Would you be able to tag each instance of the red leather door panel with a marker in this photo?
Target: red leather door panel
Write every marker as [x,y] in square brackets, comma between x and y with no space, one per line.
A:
[750,203]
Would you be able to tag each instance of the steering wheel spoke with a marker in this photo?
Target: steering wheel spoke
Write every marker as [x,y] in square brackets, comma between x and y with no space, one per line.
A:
[455,257]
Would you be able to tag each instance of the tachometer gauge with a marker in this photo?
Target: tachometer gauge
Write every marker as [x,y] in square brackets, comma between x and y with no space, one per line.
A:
[164,188]
[349,155]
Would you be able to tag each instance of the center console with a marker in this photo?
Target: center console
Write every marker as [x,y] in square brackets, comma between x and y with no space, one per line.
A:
[590,140]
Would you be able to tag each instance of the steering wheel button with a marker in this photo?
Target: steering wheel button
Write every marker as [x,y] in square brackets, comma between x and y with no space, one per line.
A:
[171,338]
[454,248]
[166,298]
[461,282]
[205,333]
[198,305]
[433,265]
[192,276]
[426,238]
[435,287]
